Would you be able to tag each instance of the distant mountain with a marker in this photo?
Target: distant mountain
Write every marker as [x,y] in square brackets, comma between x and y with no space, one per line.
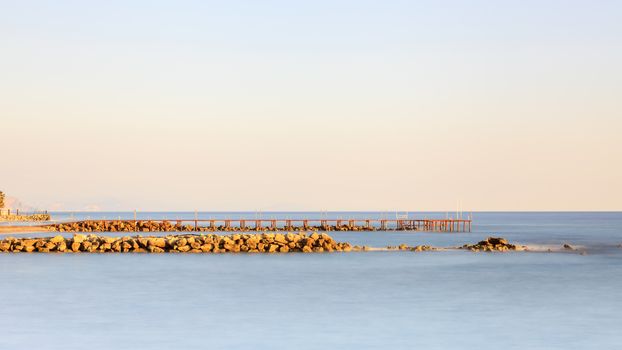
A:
[14,203]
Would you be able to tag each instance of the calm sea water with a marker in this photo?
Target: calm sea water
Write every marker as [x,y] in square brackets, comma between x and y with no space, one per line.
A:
[373,300]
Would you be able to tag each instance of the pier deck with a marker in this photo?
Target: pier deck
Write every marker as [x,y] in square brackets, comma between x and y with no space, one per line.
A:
[424,225]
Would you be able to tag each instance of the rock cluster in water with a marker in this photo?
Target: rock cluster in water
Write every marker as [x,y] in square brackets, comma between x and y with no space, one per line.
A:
[417,248]
[252,243]
[33,217]
[168,226]
[492,244]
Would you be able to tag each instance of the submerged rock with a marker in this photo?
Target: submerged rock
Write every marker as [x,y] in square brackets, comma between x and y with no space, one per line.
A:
[422,248]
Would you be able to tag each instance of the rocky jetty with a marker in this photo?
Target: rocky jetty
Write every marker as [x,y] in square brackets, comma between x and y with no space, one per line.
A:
[492,244]
[33,217]
[122,226]
[172,226]
[211,243]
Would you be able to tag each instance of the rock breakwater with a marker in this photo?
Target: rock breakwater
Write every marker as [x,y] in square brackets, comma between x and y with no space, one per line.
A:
[172,226]
[251,243]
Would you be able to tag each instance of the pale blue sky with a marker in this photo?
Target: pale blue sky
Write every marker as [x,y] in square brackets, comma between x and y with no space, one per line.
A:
[315,105]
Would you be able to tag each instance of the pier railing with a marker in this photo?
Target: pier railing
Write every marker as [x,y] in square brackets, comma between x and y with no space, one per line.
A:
[427,225]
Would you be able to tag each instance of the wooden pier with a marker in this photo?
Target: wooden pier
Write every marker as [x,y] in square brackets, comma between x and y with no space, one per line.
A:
[424,225]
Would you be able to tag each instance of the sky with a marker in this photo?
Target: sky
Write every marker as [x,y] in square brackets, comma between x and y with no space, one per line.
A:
[311,105]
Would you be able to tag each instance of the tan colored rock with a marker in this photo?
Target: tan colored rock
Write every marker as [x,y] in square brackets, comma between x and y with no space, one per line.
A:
[280,238]
[157,242]
[29,242]
[154,249]
[57,239]
[61,246]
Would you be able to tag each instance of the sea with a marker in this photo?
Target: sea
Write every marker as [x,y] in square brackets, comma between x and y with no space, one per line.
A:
[454,299]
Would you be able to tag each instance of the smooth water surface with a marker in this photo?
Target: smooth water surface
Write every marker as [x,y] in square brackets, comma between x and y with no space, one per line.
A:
[366,300]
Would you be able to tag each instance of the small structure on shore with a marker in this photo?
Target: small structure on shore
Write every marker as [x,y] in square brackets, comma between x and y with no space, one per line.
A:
[7,214]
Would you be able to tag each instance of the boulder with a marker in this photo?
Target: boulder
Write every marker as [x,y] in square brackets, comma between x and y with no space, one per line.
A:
[57,239]
[183,248]
[78,238]
[158,242]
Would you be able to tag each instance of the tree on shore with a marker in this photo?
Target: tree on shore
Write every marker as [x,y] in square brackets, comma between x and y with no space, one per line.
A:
[1,199]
